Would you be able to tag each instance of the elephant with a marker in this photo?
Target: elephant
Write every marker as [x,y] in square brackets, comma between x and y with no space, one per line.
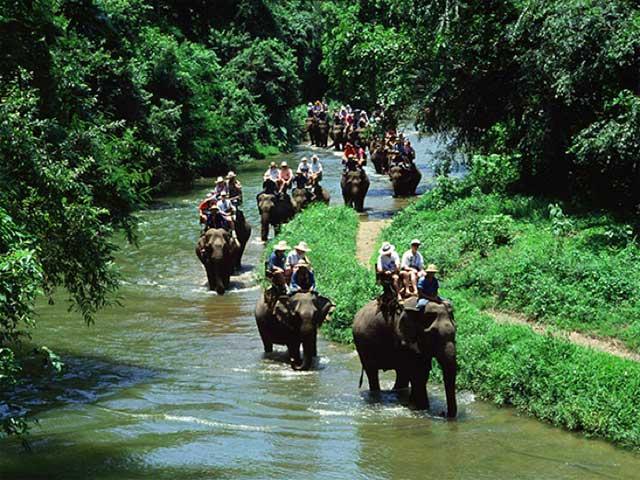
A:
[355,185]
[379,159]
[320,131]
[404,178]
[337,135]
[274,210]
[292,320]
[218,251]
[300,197]
[402,338]
[309,128]
[243,234]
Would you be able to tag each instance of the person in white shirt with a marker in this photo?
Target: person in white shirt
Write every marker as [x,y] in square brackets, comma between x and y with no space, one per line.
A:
[298,253]
[272,173]
[388,266]
[316,170]
[412,267]
[227,210]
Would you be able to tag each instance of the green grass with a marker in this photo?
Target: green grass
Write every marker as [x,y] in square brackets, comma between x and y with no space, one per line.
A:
[575,273]
[544,376]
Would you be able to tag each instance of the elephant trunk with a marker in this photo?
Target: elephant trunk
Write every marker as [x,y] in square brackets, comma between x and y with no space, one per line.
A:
[264,224]
[308,352]
[215,275]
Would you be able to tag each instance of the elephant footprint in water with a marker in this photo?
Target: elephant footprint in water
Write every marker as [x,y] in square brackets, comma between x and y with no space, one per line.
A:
[406,340]
[292,321]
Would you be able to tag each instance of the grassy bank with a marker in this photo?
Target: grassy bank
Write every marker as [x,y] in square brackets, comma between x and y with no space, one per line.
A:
[554,380]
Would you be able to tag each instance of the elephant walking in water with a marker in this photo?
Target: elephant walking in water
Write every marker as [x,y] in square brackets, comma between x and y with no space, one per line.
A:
[355,185]
[218,251]
[274,210]
[405,339]
[404,179]
[292,321]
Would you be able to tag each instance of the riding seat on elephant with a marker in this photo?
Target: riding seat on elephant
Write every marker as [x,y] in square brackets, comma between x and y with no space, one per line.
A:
[219,253]
[405,178]
[292,320]
[404,338]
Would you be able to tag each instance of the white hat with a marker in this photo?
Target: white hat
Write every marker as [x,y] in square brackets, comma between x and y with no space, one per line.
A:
[219,180]
[415,241]
[305,159]
[303,264]
[224,193]
[431,268]
[283,164]
[208,196]
[281,246]
[387,249]
[303,247]
[231,174]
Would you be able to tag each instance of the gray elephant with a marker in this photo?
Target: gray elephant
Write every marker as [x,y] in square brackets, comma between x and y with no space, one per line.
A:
[274,210]
[404,179]
[337,135]
[300,198]
[320,132]
[218,251]
[379,157]
[292,321]
[404,339]
[354,185]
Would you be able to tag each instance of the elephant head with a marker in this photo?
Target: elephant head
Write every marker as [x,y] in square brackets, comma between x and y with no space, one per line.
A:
[216,252]
[354,188]
[266,204]
[304,313]
[432,333]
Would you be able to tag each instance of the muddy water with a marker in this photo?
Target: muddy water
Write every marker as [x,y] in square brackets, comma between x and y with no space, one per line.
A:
[174,384]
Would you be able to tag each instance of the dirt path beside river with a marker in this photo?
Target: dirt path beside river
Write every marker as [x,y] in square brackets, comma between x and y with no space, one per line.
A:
[367,239]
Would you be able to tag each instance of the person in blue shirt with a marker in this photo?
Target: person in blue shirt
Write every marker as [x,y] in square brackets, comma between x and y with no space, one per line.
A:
[303,279]
[276,266]
[428,288]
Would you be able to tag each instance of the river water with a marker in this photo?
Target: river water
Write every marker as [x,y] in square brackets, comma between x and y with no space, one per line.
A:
[174,384]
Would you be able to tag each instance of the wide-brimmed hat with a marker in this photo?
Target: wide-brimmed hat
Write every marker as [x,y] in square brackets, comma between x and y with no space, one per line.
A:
[304,159]
[224,193]
[303,247]
[432,268]
[283,164]
[387,249]
[208,196]
[231,174]
[273,164]
[303,264]
[219,180]
[415,241]
[281,246]
[315,157]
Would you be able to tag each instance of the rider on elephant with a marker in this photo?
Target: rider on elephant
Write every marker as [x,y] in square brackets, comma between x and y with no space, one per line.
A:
[388,266]
[409,152]
[304,169]
[220,187]
[276,268]
[412,268]
[428,288]
[316,170]
[234,188]
[285,176]
[227,211]
[295,256]
[303,279]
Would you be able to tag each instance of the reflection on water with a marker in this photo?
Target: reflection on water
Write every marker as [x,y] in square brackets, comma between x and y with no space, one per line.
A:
[174,384]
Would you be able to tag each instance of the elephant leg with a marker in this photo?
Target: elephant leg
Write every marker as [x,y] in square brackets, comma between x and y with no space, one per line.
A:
[402,379]
[418,396]
[294,353]
[264,232]
[374,380]
[447,360]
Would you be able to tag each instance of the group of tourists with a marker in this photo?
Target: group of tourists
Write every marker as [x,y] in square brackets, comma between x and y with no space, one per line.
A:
[219,208]
[400,149]
[318,109]
[290,273]
[408,275]
[308,175]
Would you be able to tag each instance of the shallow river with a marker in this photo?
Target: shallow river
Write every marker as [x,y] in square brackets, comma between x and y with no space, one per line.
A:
[174,384]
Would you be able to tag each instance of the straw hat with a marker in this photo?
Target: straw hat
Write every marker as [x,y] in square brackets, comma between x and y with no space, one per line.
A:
[231,174]
[415,241]
[208,196]
[315,157]
[219,180]
[304,160]
[224,193]
[283,164]
[272,165]
[281,246]
[432,268]
[303,264]
[386,249]
[303,247]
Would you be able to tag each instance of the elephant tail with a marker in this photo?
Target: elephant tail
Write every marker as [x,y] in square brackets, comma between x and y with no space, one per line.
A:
[361,377]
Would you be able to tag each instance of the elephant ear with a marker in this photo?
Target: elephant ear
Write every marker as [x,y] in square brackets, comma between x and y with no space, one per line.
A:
[325,308]
[410,322]
[283,313]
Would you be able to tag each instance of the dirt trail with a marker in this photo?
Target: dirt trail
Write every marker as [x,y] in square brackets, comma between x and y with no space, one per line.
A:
[608,345]
[367,238]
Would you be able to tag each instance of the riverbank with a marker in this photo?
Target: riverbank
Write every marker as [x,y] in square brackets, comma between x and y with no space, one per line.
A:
[545,376]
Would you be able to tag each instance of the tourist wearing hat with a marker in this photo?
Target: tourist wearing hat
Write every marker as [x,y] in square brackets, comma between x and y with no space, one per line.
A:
[304,168]
[272,173]
[296,255]
[388,265]
[303,279]
[428,287]
[234,188]
[316,170]
[276,266]
[412,267]
[220,187]
[285,176]
[227,210]
[203,209]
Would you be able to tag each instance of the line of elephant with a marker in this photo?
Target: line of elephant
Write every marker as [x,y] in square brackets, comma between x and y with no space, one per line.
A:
[404,179]
[400,338]
[320,131]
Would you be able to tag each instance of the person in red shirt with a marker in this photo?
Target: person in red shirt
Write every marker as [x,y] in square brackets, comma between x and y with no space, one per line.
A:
[284,177]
